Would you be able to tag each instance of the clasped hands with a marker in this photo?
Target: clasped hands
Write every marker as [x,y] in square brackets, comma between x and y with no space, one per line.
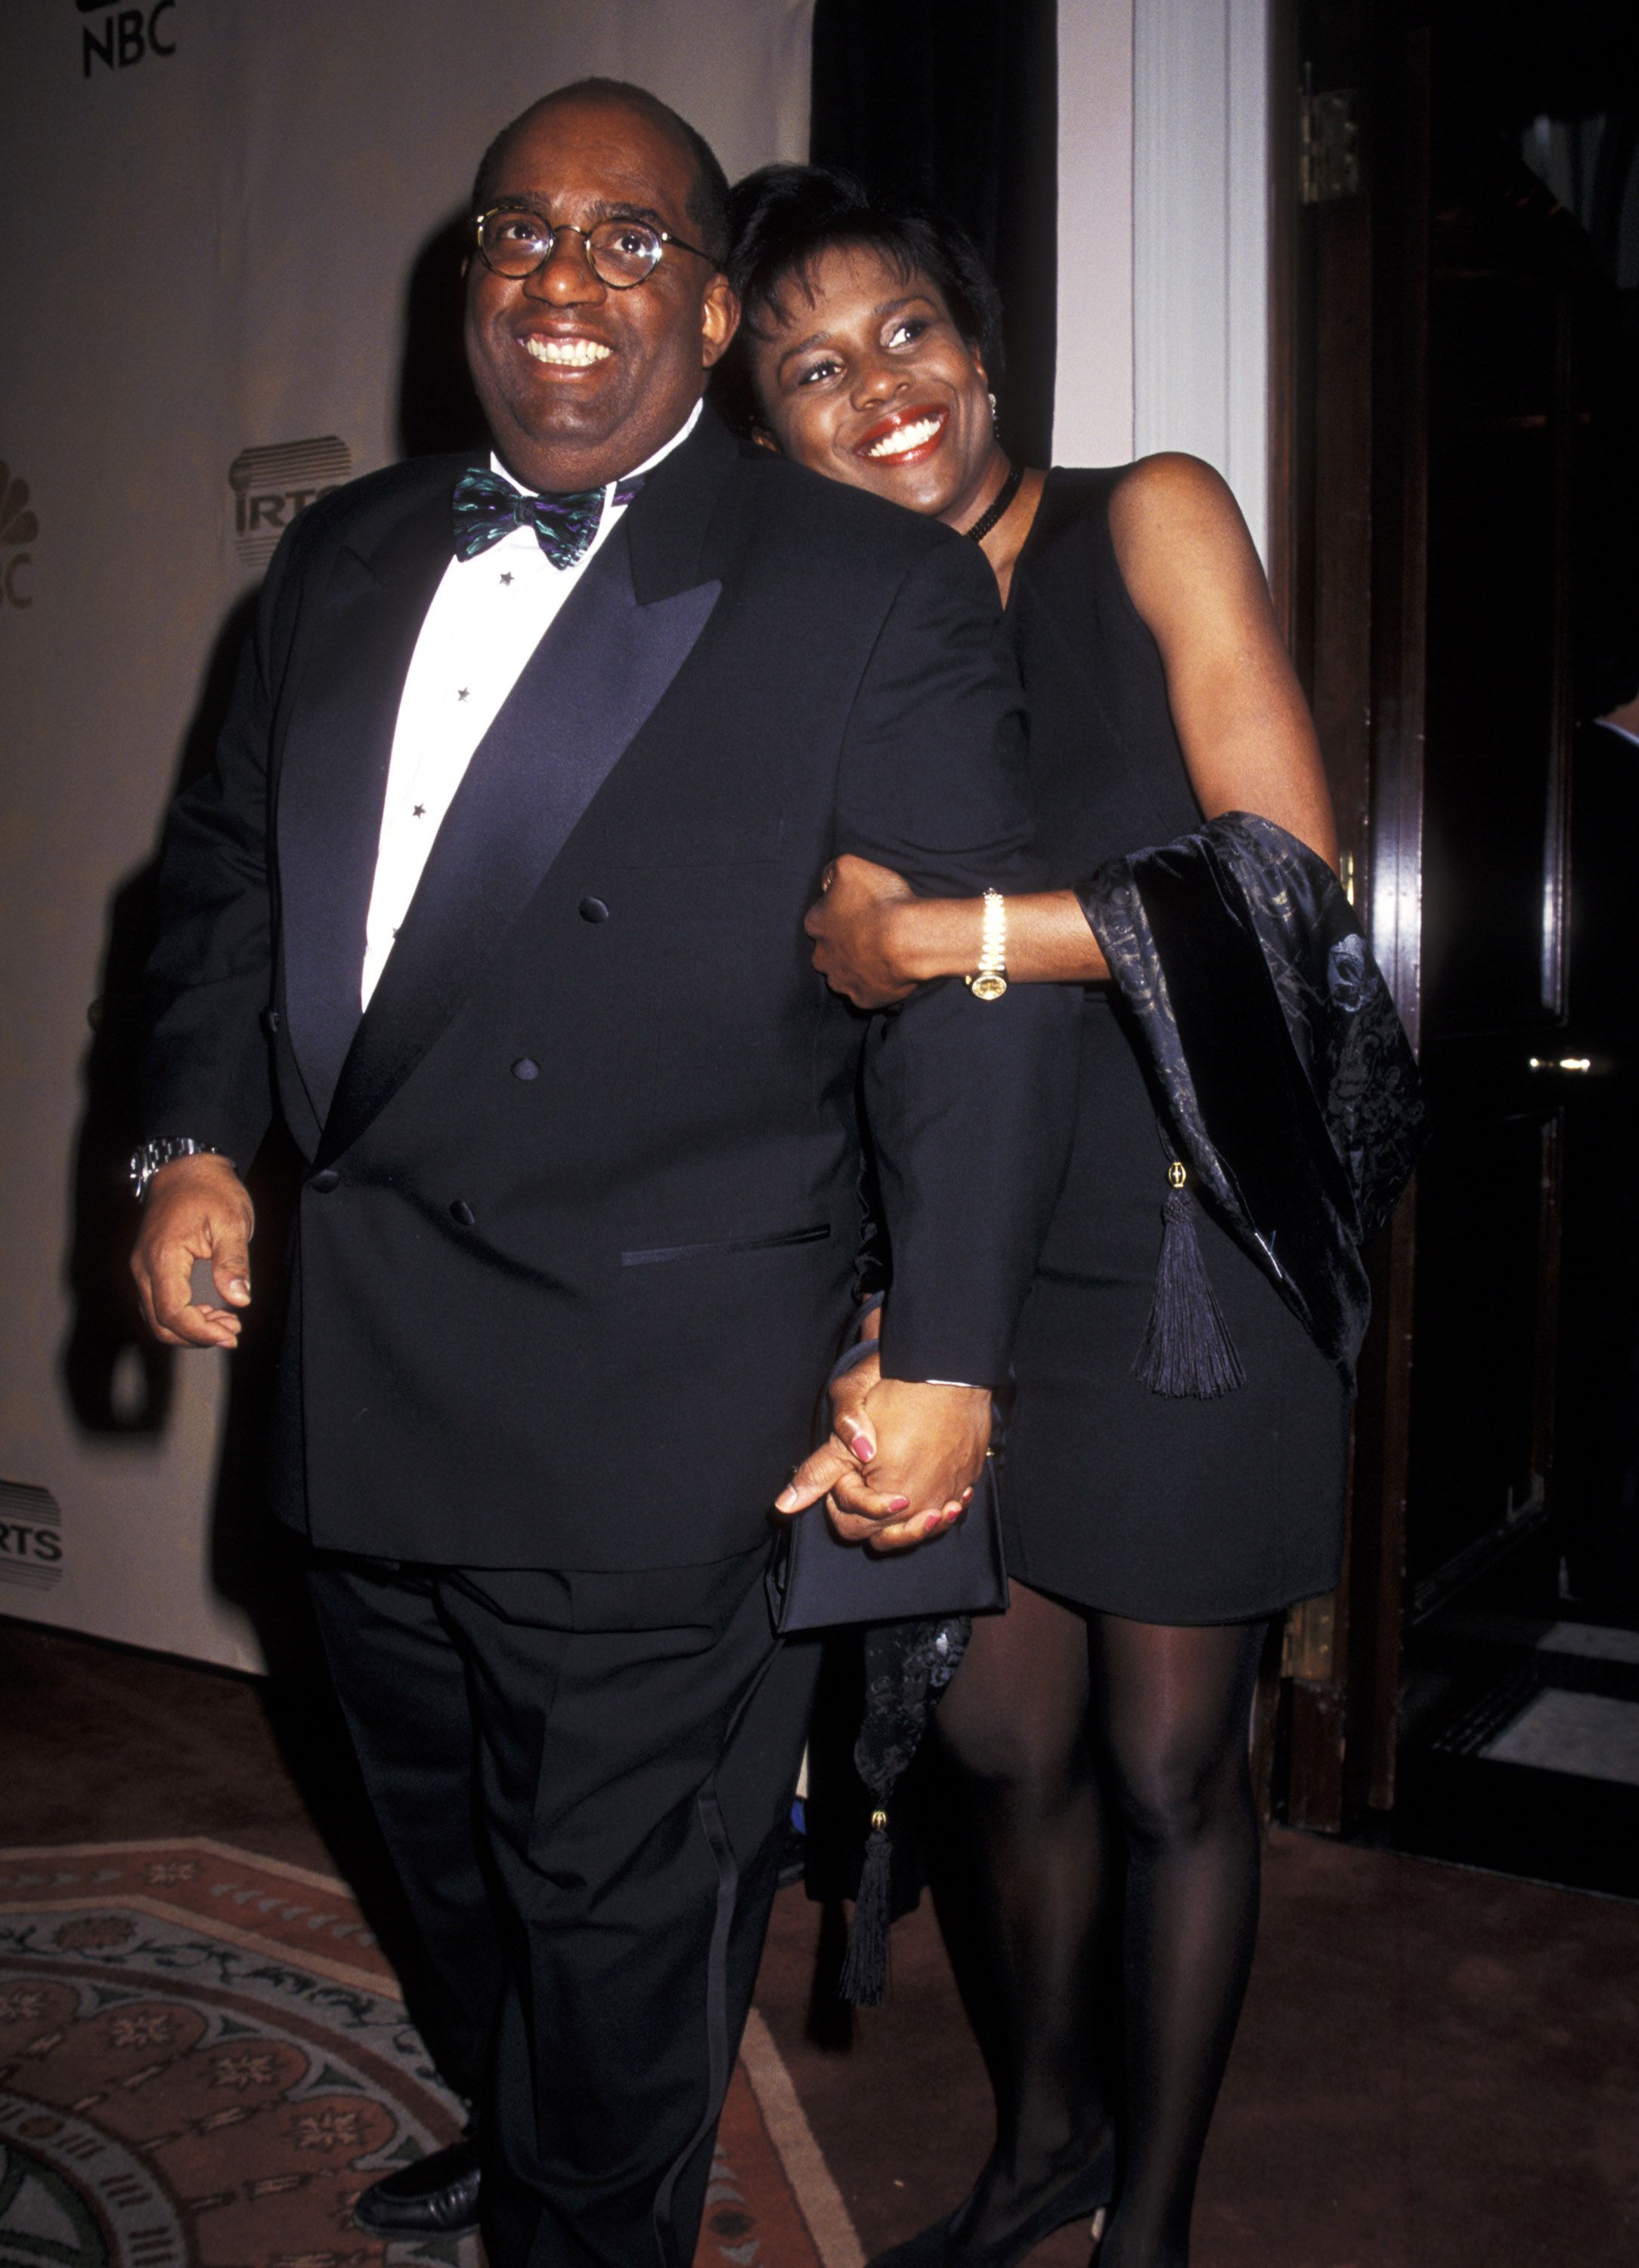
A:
[901,1460]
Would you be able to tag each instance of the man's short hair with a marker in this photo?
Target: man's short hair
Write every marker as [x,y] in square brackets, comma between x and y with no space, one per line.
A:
[708,199]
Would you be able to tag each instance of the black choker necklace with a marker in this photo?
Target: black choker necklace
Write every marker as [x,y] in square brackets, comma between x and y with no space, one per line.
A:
[999,503]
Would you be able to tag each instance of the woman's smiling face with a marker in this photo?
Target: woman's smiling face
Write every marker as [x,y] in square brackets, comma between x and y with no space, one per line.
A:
[863,375]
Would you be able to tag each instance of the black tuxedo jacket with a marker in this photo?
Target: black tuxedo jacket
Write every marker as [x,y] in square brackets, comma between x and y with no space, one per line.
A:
[574,1247]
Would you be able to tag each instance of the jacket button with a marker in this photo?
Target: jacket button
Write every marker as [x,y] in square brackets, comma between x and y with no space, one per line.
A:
[593,909]
[270,1021]
[326,1181]
[462,1213]
[526,1068]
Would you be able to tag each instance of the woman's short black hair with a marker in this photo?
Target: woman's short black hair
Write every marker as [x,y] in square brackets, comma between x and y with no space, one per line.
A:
[783,219]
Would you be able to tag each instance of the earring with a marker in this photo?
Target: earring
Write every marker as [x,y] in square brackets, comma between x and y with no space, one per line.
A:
[995,415]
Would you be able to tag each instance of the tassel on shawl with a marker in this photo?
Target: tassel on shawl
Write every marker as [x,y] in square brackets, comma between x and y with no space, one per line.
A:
[863,1977]
[908,1667]
[1187,1349]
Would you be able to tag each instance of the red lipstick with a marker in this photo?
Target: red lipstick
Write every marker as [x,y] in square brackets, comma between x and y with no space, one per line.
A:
[922,424]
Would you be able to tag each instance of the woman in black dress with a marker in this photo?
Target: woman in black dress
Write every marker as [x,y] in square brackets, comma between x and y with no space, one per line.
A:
[1098,1730]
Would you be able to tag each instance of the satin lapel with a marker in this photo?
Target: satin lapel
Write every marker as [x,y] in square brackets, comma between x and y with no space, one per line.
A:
[333,781]
[584,693]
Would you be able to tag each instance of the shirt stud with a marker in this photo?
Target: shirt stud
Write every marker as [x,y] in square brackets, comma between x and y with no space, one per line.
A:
[461,692]
[419,811]
[507,578]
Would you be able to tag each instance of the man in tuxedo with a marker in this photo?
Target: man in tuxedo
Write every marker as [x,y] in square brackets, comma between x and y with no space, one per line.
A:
[495,895]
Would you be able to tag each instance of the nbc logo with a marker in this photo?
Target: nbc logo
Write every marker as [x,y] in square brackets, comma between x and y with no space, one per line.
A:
[19,528]
[125,35]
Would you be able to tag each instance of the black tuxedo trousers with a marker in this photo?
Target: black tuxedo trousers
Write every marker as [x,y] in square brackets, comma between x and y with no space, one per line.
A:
[588,1823]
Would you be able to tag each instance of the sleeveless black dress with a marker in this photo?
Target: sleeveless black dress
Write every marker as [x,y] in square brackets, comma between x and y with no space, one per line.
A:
[1167,1511]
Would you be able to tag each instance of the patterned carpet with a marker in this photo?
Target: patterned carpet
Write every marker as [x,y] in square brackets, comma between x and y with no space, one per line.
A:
[203,2059]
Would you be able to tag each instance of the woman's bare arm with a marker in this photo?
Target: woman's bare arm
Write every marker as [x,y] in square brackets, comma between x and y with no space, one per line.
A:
[1248,745]
[874,941]
[1195,578]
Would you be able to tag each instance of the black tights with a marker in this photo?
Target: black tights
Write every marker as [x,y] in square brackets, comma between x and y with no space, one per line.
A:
[1091,1754]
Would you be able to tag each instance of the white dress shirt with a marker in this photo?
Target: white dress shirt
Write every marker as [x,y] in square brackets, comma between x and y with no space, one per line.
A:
[486,617]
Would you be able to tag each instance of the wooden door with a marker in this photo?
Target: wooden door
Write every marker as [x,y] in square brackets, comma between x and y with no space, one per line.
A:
[1506,412]
[1441,320]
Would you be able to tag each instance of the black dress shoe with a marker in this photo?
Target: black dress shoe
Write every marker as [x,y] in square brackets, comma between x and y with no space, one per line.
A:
[435,2197]
[944,2246]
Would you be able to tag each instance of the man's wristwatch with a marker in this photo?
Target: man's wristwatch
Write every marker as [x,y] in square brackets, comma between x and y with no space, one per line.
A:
[988,981]
[147,1161]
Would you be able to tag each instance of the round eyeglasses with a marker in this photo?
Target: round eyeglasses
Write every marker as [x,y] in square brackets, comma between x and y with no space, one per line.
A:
[514,242]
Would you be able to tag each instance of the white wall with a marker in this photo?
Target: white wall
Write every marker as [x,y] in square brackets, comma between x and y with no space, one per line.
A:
[1092,421]
[245,199]
[1164,236]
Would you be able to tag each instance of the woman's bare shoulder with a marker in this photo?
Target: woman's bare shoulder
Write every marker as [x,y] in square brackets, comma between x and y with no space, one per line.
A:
[1180,537]
[1171,495]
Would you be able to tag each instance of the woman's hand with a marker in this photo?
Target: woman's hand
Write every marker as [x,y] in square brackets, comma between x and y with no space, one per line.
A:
[953,1424]
[851,923]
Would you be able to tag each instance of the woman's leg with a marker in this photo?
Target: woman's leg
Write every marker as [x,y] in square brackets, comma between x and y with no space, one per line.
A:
[1171,1712]
[1022,1890]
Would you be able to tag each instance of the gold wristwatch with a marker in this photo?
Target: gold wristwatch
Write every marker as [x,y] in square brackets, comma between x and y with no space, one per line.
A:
[988,981]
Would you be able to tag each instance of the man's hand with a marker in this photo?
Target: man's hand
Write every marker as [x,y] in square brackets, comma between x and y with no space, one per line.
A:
[850,1447]
[901,1460]
[197,1209]
[850,922]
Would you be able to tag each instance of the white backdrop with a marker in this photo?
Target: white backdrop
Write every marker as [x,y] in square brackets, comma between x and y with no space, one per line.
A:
[213,208]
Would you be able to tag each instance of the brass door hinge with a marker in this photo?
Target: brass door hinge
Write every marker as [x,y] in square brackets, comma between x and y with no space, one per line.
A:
[1307,1641]
[1328,147]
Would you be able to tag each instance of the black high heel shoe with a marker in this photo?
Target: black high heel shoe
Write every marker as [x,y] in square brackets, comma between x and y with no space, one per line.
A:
[1083,2192]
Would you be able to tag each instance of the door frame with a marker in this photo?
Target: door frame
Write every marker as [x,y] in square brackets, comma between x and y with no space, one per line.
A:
[1349,244]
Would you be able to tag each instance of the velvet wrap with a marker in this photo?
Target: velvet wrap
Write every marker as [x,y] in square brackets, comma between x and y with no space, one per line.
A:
[1287,1081]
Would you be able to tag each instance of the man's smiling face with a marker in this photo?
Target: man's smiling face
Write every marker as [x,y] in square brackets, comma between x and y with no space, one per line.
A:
[579,381]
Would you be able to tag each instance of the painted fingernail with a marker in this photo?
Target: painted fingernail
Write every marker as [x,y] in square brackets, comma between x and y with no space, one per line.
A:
[968,1495]
[864,1448]
[933,1523]
[899,1504]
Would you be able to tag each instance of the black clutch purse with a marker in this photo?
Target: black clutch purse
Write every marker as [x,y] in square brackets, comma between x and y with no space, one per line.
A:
[816,1582]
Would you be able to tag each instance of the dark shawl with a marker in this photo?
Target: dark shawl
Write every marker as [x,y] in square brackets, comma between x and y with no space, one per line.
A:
[1289,1083]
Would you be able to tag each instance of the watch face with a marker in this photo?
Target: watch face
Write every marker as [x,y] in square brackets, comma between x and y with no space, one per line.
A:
[988,988]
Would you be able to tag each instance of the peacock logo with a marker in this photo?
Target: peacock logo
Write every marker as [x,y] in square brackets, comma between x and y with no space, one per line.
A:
[19,528]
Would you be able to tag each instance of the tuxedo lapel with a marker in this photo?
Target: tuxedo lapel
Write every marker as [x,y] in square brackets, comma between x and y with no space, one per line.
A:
[334,776]
[586,691]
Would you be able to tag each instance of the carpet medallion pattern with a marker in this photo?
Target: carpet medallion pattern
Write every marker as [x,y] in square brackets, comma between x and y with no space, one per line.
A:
[203,2059]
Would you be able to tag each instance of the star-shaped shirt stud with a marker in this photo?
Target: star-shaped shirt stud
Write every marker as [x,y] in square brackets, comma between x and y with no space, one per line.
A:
[507,578]
[419,812]
[461,692]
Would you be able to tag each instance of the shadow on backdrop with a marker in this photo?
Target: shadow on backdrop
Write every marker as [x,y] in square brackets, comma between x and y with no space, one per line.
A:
[438,410]
[118,1383]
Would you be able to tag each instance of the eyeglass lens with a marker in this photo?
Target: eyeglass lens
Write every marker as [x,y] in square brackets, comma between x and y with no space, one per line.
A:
[622,252]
